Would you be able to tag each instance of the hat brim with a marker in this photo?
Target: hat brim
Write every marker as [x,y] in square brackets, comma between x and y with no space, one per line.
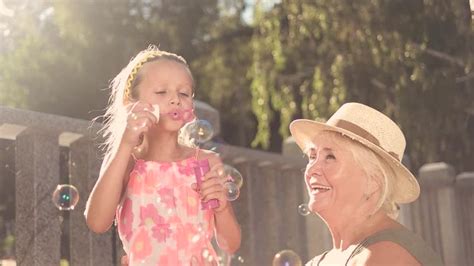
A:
[406,188]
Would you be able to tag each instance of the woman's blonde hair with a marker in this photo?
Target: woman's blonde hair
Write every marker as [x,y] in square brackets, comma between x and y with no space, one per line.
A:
[375,168]
[123,92]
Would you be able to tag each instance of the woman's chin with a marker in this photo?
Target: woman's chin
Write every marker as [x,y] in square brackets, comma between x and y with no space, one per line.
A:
[316,206]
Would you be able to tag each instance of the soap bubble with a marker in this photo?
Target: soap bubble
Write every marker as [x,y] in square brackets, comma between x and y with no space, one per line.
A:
[65,197]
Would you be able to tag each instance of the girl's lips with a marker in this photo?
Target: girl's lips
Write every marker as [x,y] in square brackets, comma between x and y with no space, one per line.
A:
[175,115]
[185,115]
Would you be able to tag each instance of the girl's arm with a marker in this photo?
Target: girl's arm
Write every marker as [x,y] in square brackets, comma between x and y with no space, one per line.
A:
[115,170]
[107,192]
[228,234]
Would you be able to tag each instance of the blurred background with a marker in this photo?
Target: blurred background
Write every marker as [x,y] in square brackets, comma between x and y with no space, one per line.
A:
[261,64]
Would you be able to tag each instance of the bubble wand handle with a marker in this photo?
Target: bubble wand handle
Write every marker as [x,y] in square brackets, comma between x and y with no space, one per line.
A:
[201,168]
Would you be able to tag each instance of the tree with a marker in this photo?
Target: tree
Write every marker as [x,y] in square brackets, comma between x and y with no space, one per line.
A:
[221,70]
[410,59]
[62,54]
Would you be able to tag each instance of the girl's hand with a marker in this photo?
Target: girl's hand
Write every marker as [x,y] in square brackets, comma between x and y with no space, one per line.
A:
[140,119]
[212,188]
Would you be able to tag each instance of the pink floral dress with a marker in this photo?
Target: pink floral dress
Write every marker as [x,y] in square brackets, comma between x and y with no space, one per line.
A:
[160,221]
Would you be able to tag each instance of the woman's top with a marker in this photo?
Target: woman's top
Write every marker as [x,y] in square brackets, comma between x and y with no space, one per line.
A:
[401,236]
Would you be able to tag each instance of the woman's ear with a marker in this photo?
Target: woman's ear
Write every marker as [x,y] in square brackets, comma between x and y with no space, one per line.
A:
[374,186]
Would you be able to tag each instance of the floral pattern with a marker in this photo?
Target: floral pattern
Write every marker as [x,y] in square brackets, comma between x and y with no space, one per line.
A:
[125,220]
[141,247]
[160,221]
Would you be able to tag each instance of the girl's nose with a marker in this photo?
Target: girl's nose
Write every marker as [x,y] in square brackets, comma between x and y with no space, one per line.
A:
[174,100]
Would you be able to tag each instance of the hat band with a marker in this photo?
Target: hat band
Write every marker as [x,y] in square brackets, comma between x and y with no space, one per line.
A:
[349,126]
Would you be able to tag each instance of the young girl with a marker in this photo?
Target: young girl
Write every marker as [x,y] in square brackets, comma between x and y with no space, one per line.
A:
[147,181]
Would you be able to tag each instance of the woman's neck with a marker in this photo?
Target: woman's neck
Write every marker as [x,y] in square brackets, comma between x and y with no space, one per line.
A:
[348,232]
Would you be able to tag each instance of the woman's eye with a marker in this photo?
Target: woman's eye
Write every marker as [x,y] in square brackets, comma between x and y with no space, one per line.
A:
[330,157]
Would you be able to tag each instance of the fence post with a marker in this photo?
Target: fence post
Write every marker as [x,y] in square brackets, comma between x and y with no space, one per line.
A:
[292,228]
[86,247]
[37,221]
[266,206]
[465,205]
[314,230]
[243,212]
[439,214]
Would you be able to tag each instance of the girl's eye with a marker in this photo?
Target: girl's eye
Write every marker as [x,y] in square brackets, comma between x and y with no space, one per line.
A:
[330,157]
[160,92]
[184,94]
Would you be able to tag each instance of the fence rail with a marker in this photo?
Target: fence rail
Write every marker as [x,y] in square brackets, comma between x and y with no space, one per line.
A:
[266,209]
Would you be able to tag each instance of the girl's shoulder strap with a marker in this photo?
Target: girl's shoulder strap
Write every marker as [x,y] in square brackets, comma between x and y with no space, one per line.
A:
[196,153]
[134,157]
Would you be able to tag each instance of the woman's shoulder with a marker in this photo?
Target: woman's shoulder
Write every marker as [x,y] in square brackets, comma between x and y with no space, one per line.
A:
[385,251]
[400,246]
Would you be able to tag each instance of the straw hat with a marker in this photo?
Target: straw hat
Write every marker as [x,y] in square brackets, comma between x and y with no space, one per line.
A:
[372,129]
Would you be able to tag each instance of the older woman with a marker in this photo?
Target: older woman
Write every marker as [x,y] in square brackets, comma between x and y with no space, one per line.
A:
[355,181]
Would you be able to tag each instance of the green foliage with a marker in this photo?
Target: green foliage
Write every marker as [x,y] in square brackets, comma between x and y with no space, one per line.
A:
[62,54]
[8,245]
[410,59]
[221,69]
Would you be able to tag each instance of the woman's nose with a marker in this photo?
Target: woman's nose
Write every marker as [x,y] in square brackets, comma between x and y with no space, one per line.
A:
[312,167]
[315,164]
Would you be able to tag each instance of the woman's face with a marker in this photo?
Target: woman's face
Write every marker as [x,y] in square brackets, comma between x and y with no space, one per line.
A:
[170,85]
[335,182]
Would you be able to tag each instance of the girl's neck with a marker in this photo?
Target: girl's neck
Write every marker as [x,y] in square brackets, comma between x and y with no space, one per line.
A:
[165,147]
[348,232]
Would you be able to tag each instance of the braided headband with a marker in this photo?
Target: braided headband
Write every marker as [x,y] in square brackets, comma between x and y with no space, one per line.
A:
[149,56]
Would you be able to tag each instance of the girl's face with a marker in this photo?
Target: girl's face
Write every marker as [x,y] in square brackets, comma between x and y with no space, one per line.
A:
[334,180]
[170,85]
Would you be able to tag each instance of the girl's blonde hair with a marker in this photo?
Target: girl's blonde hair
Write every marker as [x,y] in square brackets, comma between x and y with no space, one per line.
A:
[123,92]
[375,168]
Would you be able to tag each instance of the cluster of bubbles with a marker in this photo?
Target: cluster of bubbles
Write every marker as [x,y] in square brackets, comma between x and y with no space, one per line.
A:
[207,259]
[199,133]
[232,181]
[287,257]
